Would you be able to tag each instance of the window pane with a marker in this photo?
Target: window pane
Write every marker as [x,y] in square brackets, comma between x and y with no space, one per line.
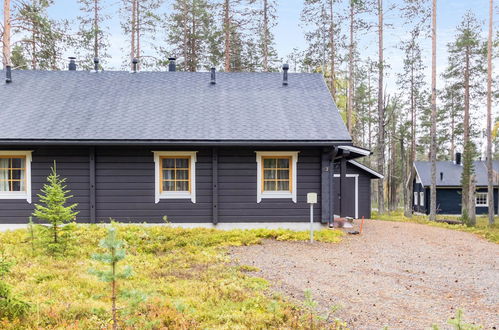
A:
[283,174]
[168,163]
[269,185]
[168,186]
[269,162]
[17,162]
[283,185]
[182,163]
[283,163]
[16,185]
[269,174]
[182,174]
[182,185]
[15,175]
[4,184]
[168,174]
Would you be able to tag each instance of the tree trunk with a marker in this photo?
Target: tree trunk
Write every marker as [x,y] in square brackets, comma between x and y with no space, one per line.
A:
[113,294]
[265,37]
[466,190]
[472,201]
[452,130]
[137,32]
[350,68]
[96,28]
[227,27]
[54,226]
[333,49]
[6,33]
[132,39]
[490,185]
[381,111]
[433,132]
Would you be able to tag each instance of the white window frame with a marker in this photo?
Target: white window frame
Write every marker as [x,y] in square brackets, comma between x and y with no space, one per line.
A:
[19,194]
[421,198]
[260,194]
[486,199]
[416,198]
[174,194]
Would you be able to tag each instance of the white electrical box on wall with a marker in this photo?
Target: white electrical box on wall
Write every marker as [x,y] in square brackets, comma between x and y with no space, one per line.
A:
[312,198]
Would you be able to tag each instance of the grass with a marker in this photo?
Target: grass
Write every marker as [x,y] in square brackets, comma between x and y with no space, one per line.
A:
[482,228]
[185,274]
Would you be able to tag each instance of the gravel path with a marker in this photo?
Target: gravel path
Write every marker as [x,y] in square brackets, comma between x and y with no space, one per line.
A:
[401,275]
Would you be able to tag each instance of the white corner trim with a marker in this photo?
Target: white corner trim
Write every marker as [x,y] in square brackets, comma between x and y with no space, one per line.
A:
[356,176]
[365,168]
[19,194]
[174,194]
[260,194]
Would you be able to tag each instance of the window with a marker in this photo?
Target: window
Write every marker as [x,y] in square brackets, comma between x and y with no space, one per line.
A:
[15,175]
[415,198]
[421,198]
[175,175]
[481,199]
[276,174]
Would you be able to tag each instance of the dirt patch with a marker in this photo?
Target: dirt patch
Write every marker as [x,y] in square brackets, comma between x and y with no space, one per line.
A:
[401,275]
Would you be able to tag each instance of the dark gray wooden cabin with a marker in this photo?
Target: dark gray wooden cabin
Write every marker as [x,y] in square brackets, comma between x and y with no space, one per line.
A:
[449,186]
[197,148]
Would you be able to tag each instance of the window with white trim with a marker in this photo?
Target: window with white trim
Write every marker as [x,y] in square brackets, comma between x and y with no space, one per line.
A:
[481,199]
[175,175]
[421,198]
[415,198]
[15,175]
[276,174]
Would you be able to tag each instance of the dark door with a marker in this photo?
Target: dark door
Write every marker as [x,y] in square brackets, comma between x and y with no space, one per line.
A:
[348,194]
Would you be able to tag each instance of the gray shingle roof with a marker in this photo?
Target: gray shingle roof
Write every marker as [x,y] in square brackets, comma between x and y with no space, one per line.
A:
[452,172]
[168,106]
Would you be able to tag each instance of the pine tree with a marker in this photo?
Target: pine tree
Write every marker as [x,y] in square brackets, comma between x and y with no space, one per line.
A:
[267,19]
[92,38]
[466,70]
[490,177]
[43,40]
[381,108]
[191,35]
[115,253]
[54,198]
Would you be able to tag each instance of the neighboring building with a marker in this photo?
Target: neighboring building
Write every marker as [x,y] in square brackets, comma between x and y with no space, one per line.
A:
[195,147]
[449,186]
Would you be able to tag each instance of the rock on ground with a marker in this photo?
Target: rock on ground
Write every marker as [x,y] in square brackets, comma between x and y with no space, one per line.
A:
[401,275]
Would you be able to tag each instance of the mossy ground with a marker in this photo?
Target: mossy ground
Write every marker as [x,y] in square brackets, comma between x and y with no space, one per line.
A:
[482,228]
[185,274]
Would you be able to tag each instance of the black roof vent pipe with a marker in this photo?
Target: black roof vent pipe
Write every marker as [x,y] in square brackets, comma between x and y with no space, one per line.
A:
[172,67]
[213,78]
[134,62]
[96,64]
[441,176]
[72,64]
[285,68]
[8,74]
[458,158]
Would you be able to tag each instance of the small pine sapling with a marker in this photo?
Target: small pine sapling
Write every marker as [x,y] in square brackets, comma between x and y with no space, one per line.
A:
[54,197]
[115,253]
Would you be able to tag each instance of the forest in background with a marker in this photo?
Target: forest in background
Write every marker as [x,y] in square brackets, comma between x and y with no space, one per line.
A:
[238,35]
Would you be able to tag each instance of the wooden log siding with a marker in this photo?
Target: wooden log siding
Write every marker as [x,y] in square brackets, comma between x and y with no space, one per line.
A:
[124,186]
[72,163]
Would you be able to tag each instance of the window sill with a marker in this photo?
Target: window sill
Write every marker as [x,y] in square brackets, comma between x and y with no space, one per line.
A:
[276,194]
[11,195]
[177,195]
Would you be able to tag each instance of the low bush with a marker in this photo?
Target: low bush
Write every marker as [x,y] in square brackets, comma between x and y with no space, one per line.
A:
[186,275]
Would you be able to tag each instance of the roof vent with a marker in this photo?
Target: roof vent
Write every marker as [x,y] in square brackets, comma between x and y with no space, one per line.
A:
[134,65]
[458,158]
[441,176]
[96,64]
[172,66]
[72,64]
[8,74]
[213,78]
[285,68]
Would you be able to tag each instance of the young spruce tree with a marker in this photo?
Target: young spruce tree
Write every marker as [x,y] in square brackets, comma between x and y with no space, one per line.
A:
[115,253]
[54,198]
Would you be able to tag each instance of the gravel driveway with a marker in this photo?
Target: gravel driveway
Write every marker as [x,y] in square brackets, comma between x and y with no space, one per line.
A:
[401,275]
